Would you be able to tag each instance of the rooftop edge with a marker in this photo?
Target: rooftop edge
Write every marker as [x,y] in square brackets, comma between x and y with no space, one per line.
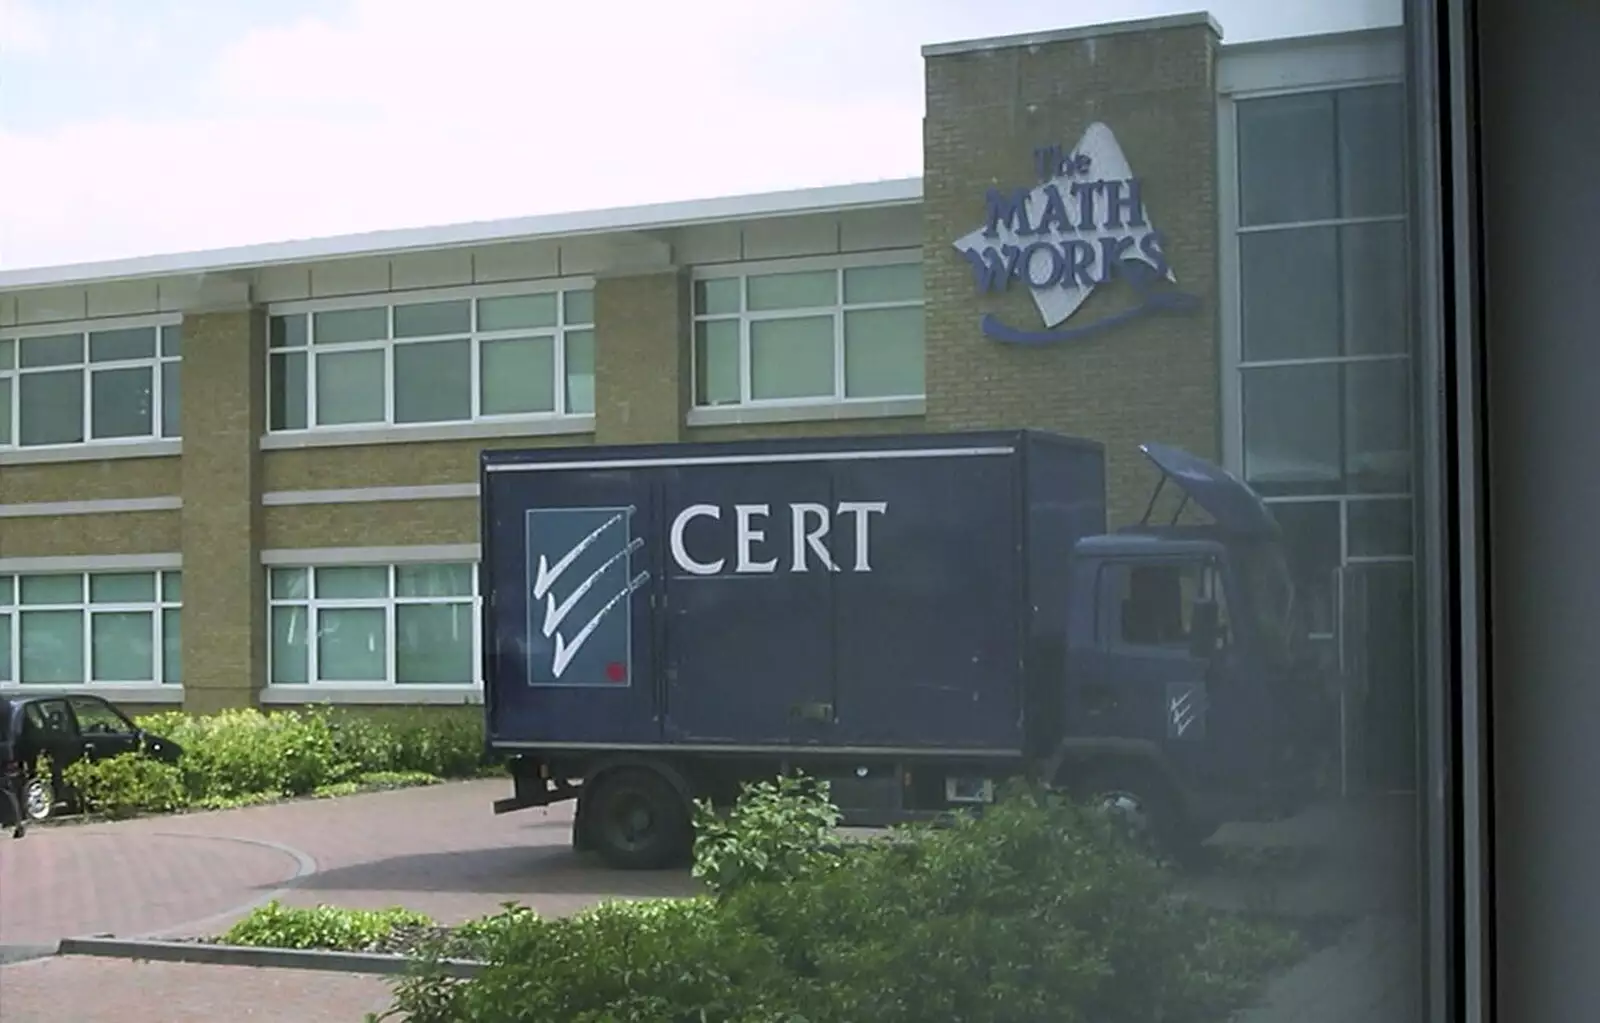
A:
[1065,35]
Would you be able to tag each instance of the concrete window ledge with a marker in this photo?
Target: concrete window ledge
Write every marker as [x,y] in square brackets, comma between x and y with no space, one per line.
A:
[92,452]
[117,694]
[551,426]
[396,695]
[811,412]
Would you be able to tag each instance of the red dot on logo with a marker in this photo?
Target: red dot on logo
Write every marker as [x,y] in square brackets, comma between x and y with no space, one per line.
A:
[616,671]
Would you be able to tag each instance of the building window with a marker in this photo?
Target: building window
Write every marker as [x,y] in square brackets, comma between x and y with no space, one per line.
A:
[411,624]
[808,332]
[458,357]
[91,628]
[92,384]
[1324,338]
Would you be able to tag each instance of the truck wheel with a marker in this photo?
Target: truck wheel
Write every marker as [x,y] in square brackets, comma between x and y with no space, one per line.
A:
[637,821]
[1147,807]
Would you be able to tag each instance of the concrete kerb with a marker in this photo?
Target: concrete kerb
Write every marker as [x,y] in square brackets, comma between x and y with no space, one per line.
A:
[238,955]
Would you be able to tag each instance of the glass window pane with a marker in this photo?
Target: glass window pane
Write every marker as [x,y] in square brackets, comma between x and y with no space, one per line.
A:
[122,402]
[433,643]
[580,371]
[899,283]
[6,591]
[1378,426]
[350,388]
[171,399]
[288,411]
[433,381]
[172,646]
[57,350]
[341,326]
[352,645]
[122,588]
[172,587]
[51,646]
[791,358]
[578,308]
[288,331]
[50,408]
[1286,159]
[123,646]
[128,343]
[716,362]
[353,583]
[433,580]
[804,290]
[1311,544]
[5,647]
[8,354]
[1373,257]
[51,589]
[1289,283]
[431,319]
[517,376]
[1291,427]
[1372,147]
[5,411]
[172,340]
[1379,528]
[290,584]
[290,660]
[517,312]
[883,354]
[716,296]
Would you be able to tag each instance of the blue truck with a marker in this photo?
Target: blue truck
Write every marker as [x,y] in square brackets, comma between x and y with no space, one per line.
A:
[916,619]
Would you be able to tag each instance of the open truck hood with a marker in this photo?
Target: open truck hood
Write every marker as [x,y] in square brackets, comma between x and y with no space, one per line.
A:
[1224,496]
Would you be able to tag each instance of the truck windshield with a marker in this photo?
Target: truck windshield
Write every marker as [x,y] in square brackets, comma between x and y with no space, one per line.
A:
[1270,598]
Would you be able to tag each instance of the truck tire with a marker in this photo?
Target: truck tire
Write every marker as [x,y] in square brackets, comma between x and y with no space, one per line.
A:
[1147,803]
[635,820]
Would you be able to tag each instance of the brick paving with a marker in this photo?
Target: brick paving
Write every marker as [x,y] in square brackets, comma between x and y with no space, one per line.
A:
[87,990]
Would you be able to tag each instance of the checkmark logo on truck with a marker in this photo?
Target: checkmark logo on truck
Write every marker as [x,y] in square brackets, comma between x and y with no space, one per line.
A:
[580,573]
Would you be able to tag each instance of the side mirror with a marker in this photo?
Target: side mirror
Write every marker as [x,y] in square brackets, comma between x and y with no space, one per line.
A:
[1205,630]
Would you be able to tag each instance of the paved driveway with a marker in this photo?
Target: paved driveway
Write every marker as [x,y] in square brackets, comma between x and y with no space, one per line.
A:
[437,849]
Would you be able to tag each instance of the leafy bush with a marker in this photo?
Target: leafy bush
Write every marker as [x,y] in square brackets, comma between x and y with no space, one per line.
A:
[244,757]
[321,927]
[1037,910]
[127,785]
[776,831]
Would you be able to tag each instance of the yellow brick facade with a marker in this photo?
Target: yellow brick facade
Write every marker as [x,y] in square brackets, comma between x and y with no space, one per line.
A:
[243,499]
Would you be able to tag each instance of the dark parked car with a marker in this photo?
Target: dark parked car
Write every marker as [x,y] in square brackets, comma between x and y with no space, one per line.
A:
[67,729]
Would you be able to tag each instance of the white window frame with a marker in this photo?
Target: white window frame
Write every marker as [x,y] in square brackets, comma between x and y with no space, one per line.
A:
[12,373]
[389,604]
[743,271]
[158,608]
[388,300]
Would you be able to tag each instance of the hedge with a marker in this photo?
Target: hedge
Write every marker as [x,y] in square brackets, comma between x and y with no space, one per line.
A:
[1038,910]
[243,757]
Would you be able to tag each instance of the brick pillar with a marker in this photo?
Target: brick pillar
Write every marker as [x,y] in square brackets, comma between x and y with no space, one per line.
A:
[989,108]
[224,613]
[641,359]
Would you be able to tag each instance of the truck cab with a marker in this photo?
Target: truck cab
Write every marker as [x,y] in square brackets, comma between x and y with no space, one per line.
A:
[1190,697]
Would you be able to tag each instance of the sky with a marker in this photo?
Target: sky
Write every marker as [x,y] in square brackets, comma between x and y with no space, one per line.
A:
[137,127]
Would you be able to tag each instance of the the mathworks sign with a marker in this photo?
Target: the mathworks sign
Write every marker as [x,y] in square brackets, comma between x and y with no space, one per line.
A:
[1083,227]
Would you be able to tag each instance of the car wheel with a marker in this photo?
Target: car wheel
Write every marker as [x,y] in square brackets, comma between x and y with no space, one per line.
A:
[637,821]
[38,799]
[1146,808]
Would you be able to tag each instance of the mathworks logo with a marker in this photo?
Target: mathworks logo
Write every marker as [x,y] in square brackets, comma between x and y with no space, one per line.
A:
[580,576]
[1082,228]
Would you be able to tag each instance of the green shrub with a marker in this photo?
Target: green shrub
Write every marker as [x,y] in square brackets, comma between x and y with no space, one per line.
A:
[776,831]
[1038,910]
[126,785]
[436,741]
[275,925]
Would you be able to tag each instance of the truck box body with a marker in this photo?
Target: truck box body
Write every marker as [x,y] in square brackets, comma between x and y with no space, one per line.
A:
[884,594]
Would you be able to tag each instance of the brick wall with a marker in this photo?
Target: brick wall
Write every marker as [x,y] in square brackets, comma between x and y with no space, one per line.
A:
[641,360]
[224,614]
[1152,379]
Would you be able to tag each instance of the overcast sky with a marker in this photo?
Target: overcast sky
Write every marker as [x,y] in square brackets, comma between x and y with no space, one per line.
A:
[133,127]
